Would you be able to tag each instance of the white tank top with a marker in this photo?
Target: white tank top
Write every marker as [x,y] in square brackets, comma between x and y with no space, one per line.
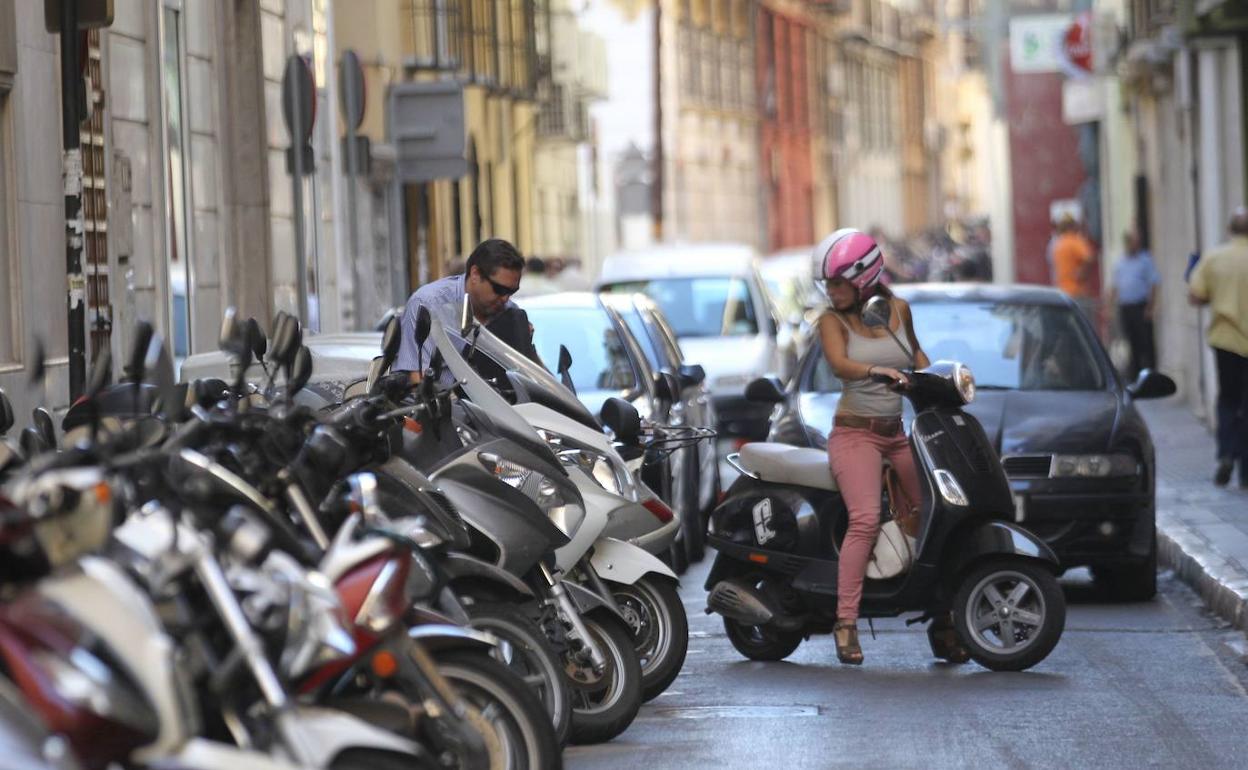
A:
[866,398]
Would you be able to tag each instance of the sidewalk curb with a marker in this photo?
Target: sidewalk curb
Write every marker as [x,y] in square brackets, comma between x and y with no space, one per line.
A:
[1218,582]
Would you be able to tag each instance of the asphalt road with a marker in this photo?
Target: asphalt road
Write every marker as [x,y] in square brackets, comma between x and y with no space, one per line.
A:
[1157,684]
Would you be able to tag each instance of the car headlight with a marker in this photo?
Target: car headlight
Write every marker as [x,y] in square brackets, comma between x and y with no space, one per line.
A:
[1093,466]
[541,489]
[964,381]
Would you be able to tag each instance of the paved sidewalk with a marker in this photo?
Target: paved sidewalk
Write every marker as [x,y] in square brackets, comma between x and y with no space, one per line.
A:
[1202,530]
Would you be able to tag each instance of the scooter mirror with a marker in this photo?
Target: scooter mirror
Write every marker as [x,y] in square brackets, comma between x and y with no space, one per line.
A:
[142,336]
[384,321]
[565,359]
[285,340]
[424,323]
[172,399]
[300,371]
[255,335]
[101,373]
[6,414]
[765,390]
[41,419]
[391,339]
[229,337]
[623,420]
[40,370]
[877,313]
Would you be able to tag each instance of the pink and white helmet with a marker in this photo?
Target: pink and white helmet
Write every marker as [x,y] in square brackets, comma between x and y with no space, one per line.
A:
[850,254]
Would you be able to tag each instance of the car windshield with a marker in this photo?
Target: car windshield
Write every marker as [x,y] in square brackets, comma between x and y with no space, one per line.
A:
[599,358]
[700,307]
[1007,345]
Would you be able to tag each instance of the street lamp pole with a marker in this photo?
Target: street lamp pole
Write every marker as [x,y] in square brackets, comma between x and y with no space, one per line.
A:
[71,82]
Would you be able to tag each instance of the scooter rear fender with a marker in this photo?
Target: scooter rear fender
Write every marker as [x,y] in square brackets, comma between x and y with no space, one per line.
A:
[994,539]
[626,563]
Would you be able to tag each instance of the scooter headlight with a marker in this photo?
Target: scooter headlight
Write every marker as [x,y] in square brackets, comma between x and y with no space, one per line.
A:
[610,473]
[541,489]
[964,381]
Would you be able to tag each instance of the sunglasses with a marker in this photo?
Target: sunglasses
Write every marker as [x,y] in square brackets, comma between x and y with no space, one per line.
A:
[502,289]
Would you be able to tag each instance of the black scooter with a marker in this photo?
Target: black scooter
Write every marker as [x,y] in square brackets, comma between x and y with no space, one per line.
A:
[778,535]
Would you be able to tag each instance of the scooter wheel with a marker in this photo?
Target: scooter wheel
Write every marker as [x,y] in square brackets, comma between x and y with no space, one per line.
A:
[1009,613]
[761,642]
[660,628]
[604,705]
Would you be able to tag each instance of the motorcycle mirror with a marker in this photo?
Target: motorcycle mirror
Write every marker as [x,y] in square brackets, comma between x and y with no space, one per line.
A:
[424,324]
[40,369]
[623,420]
[142,338]
[392,339]
[285,340]
[172,400]
[691,375]
[384,321]
[6,413]
[259,342]
[877,313]
[228,338]
[101,372]
[300,371]
[765,390]
[41,419]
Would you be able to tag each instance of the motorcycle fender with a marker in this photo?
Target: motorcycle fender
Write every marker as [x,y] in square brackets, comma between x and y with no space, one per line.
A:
[325,733]
[201,754]
[444,637]
[622,562]
[458,565]
[587,601]
[1000,538]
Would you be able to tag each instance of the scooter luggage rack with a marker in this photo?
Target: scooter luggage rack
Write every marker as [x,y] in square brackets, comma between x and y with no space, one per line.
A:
[665,440]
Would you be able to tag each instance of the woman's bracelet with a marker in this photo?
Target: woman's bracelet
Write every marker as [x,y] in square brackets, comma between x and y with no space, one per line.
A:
[870,370]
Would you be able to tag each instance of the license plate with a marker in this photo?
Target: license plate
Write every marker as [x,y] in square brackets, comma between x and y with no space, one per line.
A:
[1020,507]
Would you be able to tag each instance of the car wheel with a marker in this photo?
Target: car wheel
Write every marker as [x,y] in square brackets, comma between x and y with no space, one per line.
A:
[1130,582]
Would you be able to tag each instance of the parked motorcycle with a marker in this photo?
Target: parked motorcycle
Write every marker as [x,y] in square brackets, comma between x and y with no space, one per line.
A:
[777,534]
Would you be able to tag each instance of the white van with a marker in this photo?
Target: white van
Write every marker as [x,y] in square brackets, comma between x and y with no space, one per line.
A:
[715,300]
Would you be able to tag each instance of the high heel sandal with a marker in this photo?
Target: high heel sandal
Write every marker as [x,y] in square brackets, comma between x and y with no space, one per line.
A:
[944,640]
[848,650]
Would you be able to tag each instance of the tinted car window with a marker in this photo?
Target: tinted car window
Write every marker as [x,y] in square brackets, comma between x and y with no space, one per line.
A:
[1013,346]
[599,358]
[700,307]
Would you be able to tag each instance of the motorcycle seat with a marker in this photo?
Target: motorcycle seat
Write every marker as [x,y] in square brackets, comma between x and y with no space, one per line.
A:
[785,464]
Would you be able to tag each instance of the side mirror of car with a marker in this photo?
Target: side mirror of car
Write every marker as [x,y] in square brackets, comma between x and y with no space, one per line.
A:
[691,375]
[623,420]
[765,390]
[1151,384]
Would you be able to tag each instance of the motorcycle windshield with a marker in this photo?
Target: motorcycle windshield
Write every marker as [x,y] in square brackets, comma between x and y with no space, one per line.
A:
[485,397]
[544,388]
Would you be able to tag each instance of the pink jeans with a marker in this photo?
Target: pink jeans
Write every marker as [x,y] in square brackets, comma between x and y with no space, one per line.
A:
[857,456]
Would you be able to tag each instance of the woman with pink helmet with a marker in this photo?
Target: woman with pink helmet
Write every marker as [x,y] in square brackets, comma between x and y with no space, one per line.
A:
[867,428]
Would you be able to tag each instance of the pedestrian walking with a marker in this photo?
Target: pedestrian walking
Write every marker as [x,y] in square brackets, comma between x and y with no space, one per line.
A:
[1220,281]
[1134,294]
[1074,259]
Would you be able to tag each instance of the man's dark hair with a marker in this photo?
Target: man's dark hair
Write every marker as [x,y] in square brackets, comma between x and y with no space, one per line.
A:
[493,254]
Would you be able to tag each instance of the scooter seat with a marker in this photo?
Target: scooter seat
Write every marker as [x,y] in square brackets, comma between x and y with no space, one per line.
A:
[785,464]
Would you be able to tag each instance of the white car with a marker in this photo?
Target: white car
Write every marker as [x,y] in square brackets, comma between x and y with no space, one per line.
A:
[724,318]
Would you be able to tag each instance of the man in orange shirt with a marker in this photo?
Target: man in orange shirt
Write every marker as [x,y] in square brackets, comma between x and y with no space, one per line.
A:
[1073,263]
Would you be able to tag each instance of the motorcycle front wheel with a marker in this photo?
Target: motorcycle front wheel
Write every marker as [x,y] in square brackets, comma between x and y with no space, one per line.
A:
[528,652]
[524,736]
[660,629]
[1009,613]
[604,704]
